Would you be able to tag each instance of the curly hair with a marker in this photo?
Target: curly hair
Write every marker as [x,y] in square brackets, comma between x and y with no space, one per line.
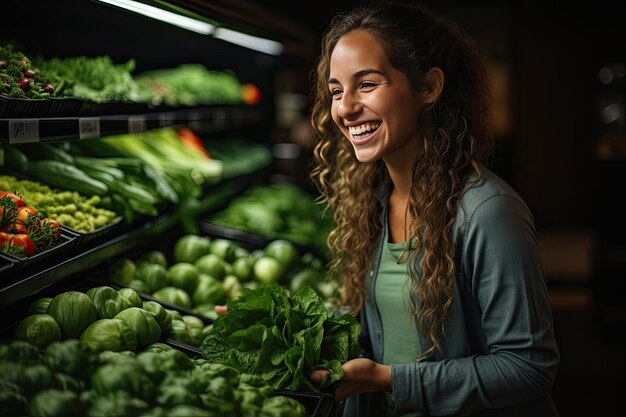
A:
[457,141]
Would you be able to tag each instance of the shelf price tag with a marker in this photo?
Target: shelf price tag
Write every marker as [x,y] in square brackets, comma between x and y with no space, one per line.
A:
[88,127]
[136,124]
[23,130]
[167,119]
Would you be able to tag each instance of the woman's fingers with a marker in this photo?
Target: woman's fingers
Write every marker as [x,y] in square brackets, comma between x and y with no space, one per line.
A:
[220,309]
[318,376]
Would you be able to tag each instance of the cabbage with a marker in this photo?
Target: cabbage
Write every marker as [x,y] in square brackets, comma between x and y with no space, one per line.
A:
[143,323]
[161,315]
[108,301]
[109,334]
[39,330]
[73,311]
[131,296]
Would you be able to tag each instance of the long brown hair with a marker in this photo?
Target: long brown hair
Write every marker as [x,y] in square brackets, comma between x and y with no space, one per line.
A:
[457,141]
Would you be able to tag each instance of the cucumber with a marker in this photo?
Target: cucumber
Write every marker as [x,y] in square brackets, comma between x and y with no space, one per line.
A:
[66,177]
[15,159]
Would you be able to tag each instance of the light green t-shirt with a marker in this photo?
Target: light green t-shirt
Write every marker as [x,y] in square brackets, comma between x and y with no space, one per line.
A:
[401,343]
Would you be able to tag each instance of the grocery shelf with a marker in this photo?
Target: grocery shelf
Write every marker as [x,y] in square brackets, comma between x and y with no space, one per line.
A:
[16,130]
[17,284]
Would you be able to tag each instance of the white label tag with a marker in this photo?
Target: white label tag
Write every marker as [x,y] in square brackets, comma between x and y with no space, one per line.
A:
[23,131]
[88,127]
[136,124]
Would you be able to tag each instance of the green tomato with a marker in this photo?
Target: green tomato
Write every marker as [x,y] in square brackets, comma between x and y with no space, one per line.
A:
[174,296]
[284,251]
[242,268]
[307,276]
[184,275]
[209,290]
[232,286]
[122,271]
[190,247]
[154,257]
[224,248]
[267,269]
[154,275]
[212,265]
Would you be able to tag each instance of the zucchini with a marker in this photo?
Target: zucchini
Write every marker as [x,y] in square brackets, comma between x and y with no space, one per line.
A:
[66,177]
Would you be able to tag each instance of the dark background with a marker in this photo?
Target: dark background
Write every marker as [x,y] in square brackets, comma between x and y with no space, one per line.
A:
[553,147]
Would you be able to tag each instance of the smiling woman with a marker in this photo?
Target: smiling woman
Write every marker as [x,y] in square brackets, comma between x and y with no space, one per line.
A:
[434,252]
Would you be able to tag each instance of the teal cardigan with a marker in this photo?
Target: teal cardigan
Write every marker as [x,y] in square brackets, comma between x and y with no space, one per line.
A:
[499,356]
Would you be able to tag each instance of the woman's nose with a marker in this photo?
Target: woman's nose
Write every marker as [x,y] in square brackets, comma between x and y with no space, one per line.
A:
[348,106]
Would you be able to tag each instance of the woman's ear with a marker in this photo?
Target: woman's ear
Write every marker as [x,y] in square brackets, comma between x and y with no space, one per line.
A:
[434,85]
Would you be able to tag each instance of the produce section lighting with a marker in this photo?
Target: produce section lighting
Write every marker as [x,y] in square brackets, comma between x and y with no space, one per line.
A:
[258,44]
[163,15]
[248,41]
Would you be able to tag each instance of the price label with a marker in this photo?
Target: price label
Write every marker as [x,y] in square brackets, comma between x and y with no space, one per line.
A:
[88,127]
[136,124]
[166,119]
[23,131]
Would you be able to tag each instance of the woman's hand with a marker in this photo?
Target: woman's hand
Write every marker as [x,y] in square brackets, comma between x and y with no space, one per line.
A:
[220,310]
[359,376]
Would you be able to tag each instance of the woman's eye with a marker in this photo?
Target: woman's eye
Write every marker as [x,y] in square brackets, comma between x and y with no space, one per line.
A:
[368,85]
[335,92]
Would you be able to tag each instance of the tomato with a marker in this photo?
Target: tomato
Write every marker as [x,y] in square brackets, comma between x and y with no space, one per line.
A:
[5,238]
[53,224]
[19,226]
[19,244]
[23,243]
[26,214]
[13,197]
[251,94]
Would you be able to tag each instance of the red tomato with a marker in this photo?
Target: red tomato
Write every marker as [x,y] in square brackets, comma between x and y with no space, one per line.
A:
[26,214]
[24,244]
[52,224]
[19,226]
[251,94]
[13,197]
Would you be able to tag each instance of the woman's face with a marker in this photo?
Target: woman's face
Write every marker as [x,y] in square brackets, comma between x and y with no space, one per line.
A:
[373,103]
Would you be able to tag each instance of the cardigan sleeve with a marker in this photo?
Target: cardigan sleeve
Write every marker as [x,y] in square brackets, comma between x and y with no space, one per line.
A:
[501,261]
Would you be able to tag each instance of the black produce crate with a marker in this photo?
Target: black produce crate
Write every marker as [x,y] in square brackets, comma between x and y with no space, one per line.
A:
[6,264]
[45,258]
[103,233]
[252,239]
[33,108]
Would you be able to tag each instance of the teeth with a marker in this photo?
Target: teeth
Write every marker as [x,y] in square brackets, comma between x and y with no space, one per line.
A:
[357,130]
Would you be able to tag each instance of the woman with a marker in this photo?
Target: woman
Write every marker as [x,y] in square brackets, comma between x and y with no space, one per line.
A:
[436,254]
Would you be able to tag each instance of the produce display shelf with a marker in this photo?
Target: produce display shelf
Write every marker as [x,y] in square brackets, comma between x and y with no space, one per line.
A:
[29,129]
[28,282]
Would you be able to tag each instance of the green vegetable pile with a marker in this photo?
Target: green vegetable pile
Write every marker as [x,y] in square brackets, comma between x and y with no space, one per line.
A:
[278,211]
[20,79]
[106,319]
[201,272]
[282,339]
[69,379]
[70,208]
[97,79]
[192,85]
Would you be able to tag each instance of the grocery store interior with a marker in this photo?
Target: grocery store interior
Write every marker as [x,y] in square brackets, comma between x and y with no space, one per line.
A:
[559,76]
